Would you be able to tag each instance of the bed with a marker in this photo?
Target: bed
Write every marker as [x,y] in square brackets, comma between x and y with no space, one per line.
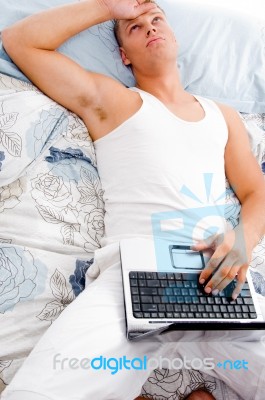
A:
[51,201]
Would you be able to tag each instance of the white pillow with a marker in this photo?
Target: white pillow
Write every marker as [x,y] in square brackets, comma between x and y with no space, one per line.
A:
[221,54]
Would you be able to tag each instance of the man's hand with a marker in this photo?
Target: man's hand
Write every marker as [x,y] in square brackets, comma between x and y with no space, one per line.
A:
[228,261]
[127,9]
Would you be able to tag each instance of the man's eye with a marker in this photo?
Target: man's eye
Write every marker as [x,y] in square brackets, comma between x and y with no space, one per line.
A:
[134,27]
[156,19]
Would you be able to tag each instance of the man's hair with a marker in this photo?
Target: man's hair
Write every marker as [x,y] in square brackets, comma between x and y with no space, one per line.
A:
[116,25]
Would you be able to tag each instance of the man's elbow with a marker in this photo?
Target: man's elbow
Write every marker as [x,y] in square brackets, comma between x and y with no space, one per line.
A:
[9,40]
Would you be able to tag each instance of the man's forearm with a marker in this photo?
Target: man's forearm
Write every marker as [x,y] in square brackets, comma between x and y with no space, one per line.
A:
[252,220]
[49,29]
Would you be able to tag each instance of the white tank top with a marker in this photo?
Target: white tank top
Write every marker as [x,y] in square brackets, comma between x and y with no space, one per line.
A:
[156,165]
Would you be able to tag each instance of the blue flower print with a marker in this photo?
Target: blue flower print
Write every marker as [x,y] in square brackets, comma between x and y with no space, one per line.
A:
[19,278]
[78,279]
[2,157]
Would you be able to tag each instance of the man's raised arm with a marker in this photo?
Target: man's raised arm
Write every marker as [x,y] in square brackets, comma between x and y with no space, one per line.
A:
[32,42]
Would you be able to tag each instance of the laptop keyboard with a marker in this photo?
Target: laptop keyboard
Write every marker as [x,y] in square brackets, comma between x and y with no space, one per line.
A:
[180,295]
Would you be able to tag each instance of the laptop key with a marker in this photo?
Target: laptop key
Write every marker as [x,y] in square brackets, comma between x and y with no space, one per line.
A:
[217,300]
[248,300]
[148,291]
[149,307]
[169,315]
[162,307]
[161,315]
[135,299]
[245,315]
[134,290]
[138,314]
[252,309]
[185,308]
[216,308]
[161,275]
[245,293]
[136,307]
[146,299]
[164,299]
[156,299]
[253,315]
[154,315]
[183,315]
[147,315]
[188,300]
[184,292]
[152,283]
[133,275]
[142,283]
[178,307]
[133,282]
[178,276]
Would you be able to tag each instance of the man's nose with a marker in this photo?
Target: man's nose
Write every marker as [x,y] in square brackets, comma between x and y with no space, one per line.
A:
[150,31]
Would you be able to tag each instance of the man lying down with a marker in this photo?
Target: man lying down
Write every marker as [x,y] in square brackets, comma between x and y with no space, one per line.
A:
[160,138]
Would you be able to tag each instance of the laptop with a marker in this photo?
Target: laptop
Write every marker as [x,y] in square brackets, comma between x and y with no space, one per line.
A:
[162,294]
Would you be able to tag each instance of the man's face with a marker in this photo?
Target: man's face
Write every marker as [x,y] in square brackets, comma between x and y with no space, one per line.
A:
[147,39]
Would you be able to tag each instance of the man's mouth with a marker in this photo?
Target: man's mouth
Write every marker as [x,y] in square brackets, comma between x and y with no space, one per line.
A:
[154,40]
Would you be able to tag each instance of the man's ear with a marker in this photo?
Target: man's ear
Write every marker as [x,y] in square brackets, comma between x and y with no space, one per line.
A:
[124,58]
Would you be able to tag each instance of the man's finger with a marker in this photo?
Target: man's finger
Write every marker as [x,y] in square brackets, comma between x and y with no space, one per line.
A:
[225,275]
[212,265]
[241,279]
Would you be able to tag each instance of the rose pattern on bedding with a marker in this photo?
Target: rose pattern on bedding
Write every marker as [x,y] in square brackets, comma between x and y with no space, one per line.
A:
[22,277]
[73,200]
[62,297]
[7,82]
[77,134]
[3,365]
[10,141]
[165,384]
[258,282]
[51,124]
[10,195]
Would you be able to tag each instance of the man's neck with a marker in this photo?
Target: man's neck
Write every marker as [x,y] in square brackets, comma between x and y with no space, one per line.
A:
[166,87]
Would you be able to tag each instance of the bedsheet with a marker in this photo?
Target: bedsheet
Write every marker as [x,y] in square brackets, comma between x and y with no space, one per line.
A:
[51,222]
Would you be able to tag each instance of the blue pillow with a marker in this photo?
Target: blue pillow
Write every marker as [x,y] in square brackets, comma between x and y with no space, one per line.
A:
[221,54]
